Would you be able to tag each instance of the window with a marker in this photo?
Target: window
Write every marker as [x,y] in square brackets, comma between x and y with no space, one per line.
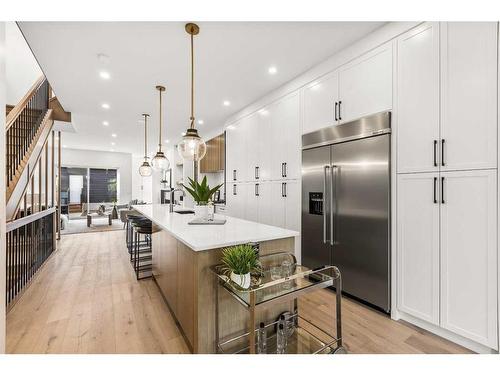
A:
[102,185]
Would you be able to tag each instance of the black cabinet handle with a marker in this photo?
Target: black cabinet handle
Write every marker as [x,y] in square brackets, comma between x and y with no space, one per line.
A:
[284,185]
[336,104]
[285,170]
[442,152]
[282,189]
[442,190]
[340,116]
[234,174]
[435,153]
[234,189]
[256,175]
[435,194]
[282,169]
[256,190]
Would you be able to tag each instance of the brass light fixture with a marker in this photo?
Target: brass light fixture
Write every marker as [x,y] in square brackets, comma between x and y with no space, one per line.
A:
[160,161]
[192,147]
[145,169]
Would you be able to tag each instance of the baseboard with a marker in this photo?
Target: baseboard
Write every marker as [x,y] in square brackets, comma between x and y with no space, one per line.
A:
[453,337]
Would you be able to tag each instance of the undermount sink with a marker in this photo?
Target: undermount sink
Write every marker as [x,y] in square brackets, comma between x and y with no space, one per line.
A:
[184,212]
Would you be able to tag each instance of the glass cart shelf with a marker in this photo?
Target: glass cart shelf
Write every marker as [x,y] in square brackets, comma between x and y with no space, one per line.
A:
[264,291]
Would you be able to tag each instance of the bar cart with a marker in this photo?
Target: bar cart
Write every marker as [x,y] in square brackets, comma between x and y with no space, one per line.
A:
[267,290]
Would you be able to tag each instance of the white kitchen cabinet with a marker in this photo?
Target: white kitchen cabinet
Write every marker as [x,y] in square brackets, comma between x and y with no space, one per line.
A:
[292,204]
[417,102]
[418,245]
[320,99]
[252,201]
[252,137]
[469,255]
[236,152]
[283,147]
[236,195]
[469,95]
[365,85]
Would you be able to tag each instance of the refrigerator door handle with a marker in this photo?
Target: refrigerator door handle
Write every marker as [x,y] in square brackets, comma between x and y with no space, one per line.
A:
[333,193]
[326,168]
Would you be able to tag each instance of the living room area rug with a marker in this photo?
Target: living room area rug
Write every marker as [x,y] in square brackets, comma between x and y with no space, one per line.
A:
[74,226]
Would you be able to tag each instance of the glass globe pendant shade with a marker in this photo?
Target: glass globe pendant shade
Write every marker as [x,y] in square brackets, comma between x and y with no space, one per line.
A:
[192,147]
[160,162]
[145,169]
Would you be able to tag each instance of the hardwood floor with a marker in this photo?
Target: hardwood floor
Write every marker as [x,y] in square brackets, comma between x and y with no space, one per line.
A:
[86,300]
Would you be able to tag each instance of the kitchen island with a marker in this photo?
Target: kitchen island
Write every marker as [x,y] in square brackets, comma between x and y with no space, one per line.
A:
[182,256]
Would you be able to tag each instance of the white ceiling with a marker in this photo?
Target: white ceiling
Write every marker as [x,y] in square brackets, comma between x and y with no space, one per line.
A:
[231,60]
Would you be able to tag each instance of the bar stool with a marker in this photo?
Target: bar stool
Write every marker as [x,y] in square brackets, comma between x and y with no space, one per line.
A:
[142,255]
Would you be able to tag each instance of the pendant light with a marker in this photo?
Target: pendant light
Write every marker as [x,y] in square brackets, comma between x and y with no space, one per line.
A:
[192,147]
[160,161]
[145,169]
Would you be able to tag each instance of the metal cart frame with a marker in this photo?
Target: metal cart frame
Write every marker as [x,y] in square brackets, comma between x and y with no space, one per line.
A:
[248,298]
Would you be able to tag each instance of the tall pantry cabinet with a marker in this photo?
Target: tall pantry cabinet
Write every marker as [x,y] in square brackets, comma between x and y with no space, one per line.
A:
[446,114]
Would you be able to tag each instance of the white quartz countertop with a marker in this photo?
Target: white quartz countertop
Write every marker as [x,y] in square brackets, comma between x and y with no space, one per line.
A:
[204,237]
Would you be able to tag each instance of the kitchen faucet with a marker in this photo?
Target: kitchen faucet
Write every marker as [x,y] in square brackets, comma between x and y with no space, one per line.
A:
[172,196]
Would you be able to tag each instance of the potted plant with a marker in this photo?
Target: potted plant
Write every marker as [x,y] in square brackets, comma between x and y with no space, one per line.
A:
[201,194]
[239,262]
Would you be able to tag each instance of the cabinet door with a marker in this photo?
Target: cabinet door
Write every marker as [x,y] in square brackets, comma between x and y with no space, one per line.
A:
[365,85]
[418,245]
[252,201]
[251,135]
[292,204]
[417,101]
[468,255]
[264,148]
[236,152]
[319,103]
[286,138]
[469,95]
[266,202]
[235,200]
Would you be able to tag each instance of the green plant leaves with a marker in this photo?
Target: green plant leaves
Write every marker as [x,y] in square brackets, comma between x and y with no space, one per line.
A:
[240,259]
[201,193]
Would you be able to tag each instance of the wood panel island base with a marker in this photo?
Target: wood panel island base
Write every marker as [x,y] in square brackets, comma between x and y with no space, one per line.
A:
[182,257]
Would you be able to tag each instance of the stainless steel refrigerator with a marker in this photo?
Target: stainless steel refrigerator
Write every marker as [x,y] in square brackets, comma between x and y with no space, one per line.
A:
[346,205]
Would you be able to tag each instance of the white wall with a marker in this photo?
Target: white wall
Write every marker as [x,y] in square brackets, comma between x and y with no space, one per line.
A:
[2,189]
[21,67]
[103,159]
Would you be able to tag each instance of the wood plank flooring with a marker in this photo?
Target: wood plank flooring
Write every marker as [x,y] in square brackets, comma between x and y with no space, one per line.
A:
[86,300]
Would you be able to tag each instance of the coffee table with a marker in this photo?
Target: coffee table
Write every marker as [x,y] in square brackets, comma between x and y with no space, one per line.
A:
[96,215]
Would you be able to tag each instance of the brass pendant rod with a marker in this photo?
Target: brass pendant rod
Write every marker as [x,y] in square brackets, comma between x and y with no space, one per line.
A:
[192,82]
[145,136]
[161,120]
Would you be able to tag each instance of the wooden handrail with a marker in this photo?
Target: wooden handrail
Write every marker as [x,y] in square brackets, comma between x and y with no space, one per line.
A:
[16,111]
[10,226]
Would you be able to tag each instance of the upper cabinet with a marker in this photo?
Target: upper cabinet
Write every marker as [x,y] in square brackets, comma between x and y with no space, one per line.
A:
[214,160]
[321,103]
[469,95]
[417,102]
[359,88]
[365,85]
[236,153]
[446,104]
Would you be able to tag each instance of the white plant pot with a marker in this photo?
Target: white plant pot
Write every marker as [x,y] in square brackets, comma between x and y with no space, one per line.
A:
[201,211]
[241,280]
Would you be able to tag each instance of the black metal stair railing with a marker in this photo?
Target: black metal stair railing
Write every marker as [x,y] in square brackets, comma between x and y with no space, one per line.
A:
[30,241]
[23,124]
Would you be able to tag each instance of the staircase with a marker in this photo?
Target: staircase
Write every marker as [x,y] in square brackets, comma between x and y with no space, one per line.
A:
[31,199]
[28,125]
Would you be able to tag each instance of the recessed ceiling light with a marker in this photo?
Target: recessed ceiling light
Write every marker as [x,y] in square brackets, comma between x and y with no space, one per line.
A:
[113,143]
[105,123]
[263,112]
[105,105]
[272,70]
[200,122]
[230,127]
[104,75]
[112,150]
[113,135]
[64,146]
[167,141]
[227,103]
